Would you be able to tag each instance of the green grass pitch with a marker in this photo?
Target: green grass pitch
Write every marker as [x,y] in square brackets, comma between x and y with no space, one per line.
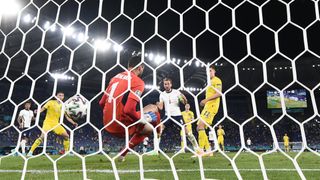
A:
[158,167]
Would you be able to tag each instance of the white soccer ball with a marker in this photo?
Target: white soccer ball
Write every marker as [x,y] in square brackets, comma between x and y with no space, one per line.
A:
[76,107]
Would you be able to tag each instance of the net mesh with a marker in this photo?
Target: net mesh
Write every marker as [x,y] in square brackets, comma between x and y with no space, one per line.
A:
[77,46]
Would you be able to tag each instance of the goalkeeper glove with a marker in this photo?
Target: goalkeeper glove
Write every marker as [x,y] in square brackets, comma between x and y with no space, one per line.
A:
[149,117]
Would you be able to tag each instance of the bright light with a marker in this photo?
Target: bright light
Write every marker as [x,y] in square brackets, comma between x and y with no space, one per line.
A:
[81,37]
[62,76]
[173,60]
[53,28]
[102,45]
[146,55]
[158,59]
[151,56]
[185,61]
[27,18]
[68,31]
[9,7]
[34,19]
[178,62]
[197,63]
[46,25]
[117,48]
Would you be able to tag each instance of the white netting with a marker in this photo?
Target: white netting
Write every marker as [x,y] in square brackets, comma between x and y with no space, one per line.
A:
[77,46]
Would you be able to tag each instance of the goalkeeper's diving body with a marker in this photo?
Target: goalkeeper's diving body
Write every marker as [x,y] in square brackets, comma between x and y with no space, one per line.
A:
[51,122]
[121,105]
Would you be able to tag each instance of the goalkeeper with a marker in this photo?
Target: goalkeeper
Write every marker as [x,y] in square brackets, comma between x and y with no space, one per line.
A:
[122,106]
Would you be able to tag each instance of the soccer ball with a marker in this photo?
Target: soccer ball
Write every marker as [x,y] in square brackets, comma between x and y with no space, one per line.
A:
[76,107]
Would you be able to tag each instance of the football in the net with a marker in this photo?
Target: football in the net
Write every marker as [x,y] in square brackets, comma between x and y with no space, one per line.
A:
[76,107]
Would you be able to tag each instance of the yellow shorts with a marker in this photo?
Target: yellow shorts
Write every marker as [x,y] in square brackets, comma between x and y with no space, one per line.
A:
[58,129]
[220,140]
[286,143]
[188,128]
[208,114]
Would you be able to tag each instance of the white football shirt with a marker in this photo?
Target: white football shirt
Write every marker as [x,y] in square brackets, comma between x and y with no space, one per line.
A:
[145,141]
[211,136]
[171,102]
[27,117]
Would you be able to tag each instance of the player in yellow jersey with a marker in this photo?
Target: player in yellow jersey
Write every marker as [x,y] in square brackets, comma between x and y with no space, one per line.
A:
[211,106]
[51,122]
[286,142]
[188,116]
[220,133]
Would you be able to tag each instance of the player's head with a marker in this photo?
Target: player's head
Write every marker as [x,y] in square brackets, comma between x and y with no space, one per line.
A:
[212,71]
[187,106]
[167,84]
[220,126]
[60,95]
[135,66]
[285,134]
[27,105]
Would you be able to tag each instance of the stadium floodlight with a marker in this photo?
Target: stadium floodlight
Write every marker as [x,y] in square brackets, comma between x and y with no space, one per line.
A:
[9,7]
[158,59]
[81,37]
[101,45]
[185,61]
[27,18]
[197,63]
[117,47]
[146,55]
[151,56]
[46,25]
[53,28]
[67,31]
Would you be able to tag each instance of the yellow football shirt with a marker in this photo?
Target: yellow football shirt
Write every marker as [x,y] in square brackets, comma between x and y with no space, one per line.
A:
[53,111]
[187,116]
[220,132]
[285,138]
[211,90]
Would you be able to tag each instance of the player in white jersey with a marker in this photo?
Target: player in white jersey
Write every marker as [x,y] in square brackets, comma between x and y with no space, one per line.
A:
[26,116]
[145,144]
[211,138]
[169,100]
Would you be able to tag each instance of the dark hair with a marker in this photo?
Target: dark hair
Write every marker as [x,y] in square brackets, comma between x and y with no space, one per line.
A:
[168,79]
[212,67]
[59,92]
[28,102]
[134,61]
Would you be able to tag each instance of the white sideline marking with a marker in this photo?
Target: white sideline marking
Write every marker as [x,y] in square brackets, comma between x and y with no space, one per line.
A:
[149,170]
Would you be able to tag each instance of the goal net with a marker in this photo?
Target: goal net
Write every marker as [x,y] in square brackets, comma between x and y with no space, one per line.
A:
[266,54]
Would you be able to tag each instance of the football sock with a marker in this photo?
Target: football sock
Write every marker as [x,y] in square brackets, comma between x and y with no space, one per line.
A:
[36,143]
[66,144]
[134,141]
[23,146]
[193,141]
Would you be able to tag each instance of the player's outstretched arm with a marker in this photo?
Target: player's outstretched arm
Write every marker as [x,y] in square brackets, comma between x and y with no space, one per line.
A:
[184,100]
[160,105]
[20,120]
[70,120]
